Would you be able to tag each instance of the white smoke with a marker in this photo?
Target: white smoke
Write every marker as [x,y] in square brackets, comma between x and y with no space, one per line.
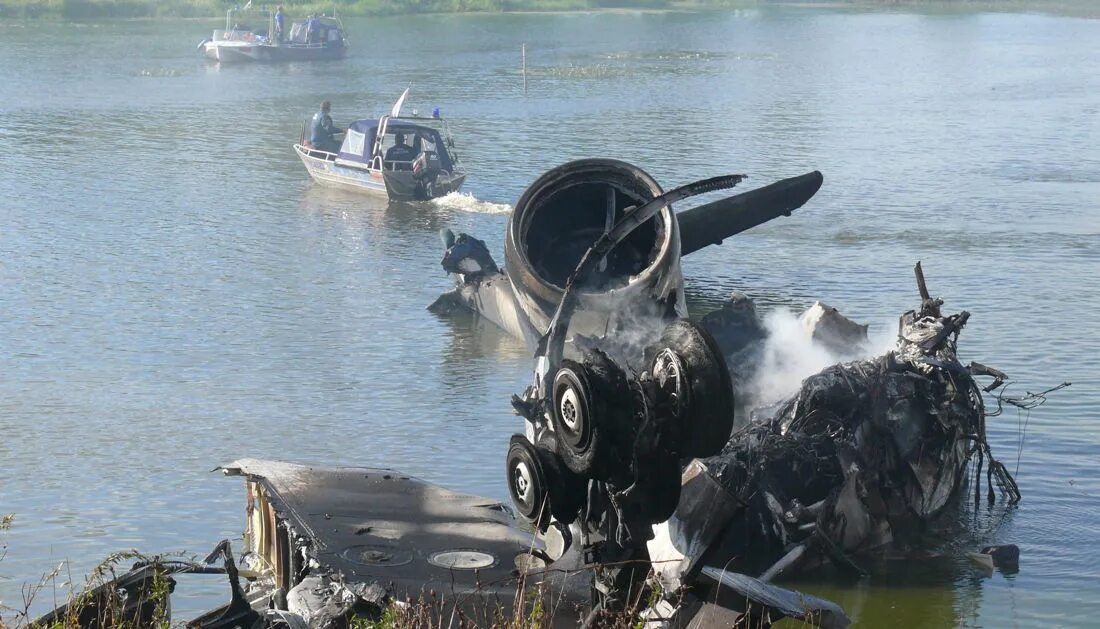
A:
[633,325]
[790,354]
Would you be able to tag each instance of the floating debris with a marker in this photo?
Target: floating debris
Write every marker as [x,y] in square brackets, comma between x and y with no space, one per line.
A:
[1005,557]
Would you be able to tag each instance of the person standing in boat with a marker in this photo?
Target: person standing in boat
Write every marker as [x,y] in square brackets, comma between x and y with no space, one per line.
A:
[280,18]
[313,29]
[322,131]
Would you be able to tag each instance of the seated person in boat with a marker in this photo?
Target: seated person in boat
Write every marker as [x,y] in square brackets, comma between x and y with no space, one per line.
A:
[322,131]
[400,153]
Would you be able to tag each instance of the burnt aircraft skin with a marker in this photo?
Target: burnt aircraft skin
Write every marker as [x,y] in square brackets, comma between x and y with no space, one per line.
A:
[567,209]
[862,460]
[324,546]
[833,474]
[864,457]
[599,463]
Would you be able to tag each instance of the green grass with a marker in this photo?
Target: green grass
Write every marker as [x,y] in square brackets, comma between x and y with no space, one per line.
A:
[99,9]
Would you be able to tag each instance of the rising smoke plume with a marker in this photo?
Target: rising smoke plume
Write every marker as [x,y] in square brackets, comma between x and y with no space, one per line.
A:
[791,351]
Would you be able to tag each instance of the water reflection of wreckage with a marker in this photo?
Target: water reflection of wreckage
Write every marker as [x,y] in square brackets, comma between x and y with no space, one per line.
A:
[641,500]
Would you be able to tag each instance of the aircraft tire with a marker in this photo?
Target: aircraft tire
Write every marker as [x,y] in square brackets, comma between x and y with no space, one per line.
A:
[706,420]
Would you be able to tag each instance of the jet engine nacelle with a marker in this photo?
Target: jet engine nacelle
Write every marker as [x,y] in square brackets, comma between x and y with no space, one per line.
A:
[558,218]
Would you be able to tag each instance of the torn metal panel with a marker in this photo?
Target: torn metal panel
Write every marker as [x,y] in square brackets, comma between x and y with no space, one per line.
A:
[379,526]
[837,333]
[679,543]
[492,297]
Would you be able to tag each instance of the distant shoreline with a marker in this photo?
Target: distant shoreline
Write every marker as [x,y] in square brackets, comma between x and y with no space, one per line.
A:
[82,10]
[76,10]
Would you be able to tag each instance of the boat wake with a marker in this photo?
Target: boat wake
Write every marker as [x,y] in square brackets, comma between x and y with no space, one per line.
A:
[466,202]
[159,72]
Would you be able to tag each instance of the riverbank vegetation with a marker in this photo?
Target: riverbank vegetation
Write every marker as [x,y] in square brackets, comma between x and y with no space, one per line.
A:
[113,596]
[99,9]
[135,9]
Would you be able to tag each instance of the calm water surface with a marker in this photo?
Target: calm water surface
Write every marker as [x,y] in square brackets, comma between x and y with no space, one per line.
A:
[176,294]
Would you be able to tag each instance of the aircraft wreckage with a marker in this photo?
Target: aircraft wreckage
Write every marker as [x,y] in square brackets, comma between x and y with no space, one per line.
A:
[640,497]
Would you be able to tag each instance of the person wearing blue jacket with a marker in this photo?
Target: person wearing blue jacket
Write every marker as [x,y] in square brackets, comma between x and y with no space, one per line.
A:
[322,131]
[280,18]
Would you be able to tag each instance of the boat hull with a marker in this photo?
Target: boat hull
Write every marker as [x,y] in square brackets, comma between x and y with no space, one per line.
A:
[328,172]
[243,52]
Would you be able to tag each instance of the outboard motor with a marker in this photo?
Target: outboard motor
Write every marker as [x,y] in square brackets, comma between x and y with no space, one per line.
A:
[425,170]
[426,166]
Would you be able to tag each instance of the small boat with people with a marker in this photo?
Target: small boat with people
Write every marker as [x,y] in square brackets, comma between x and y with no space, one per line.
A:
[314,38]
[401,157]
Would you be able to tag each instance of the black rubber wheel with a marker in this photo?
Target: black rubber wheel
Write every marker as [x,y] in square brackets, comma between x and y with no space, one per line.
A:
[566,489]
[588,401]
[704,399]
[527,482]
[572,411]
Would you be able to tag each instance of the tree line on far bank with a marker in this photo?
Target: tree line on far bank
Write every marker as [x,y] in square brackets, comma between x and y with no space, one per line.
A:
[100,9]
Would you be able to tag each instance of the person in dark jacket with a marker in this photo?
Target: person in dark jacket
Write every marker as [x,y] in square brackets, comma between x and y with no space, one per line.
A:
[401,153]
[322,131]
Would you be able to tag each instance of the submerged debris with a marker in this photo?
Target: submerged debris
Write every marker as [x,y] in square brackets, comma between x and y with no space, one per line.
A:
[864,456]
[1005,557]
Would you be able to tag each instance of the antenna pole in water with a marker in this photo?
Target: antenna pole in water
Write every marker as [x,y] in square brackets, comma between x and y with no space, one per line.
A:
[523,56]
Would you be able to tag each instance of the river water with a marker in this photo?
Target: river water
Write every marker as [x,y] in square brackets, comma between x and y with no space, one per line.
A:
[176,294]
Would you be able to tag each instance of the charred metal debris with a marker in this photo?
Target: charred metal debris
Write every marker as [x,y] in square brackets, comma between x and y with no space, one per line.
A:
[644,499]
[859,462]
[864,456]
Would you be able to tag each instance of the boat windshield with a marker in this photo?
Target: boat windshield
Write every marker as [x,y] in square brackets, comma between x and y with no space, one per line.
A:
[324,32]
[237,35]
[414,142]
